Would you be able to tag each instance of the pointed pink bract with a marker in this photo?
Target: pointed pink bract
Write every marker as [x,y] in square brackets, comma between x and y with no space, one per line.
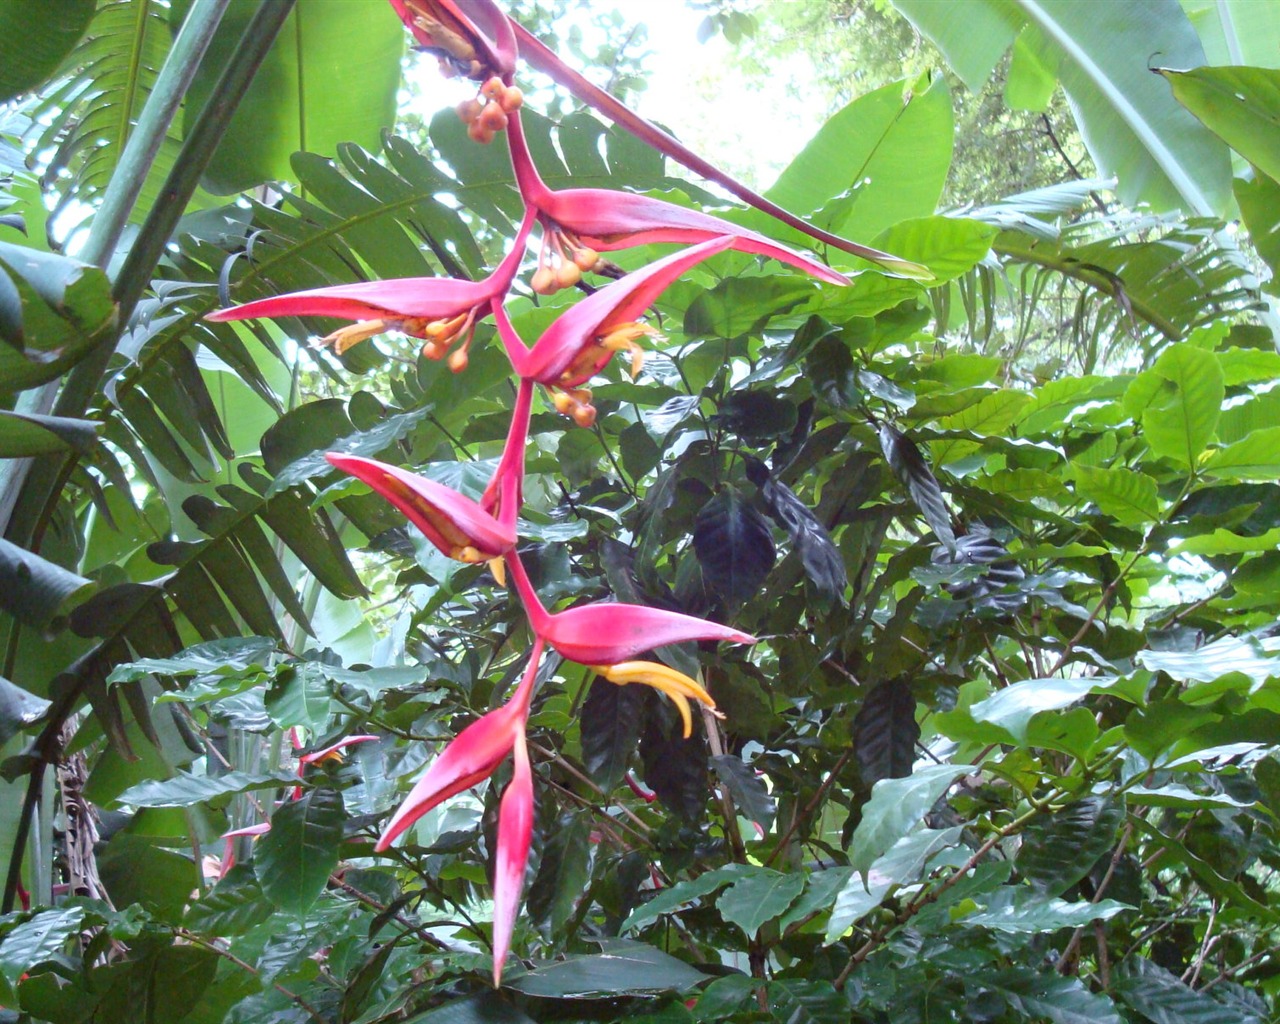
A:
[620,302]
[485,533]
[515,834]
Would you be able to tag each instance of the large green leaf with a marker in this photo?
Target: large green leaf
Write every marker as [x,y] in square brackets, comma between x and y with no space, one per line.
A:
[331,77]
[37,940]
[1179,401]
[759,897]
[184,790]
[109,78]
[1259,201]
[29,434]
[1239,105]
[1044,995]
[881,159]
[34,40]
[1237,31]
[895,807]
[622,968]
[294,860]
[1058,850]
[1162,997]
[1133,127]
[38,592]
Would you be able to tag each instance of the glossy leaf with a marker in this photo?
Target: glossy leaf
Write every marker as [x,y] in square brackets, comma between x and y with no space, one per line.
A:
[885,732]
[750,794]
[1050,997]
[1161,996]
[1059,850]
[185,790]
[758,898]
[909,466]
[895,807]
[610,723]
[623,968]
[734,548]
[294,860]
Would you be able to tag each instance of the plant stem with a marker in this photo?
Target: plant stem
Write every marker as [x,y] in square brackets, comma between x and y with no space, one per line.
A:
[213,947]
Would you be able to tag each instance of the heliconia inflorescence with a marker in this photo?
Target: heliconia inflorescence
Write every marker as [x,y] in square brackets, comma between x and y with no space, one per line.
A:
[476,40]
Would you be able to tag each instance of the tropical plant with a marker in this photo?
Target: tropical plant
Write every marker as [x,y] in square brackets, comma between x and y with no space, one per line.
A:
[1004,534]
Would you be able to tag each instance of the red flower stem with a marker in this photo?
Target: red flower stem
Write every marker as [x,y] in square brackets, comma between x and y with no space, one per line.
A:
[524,692]
[538,615]
[505,487]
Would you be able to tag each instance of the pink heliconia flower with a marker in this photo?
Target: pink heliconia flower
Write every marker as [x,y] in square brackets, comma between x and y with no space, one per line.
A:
[579,223]
[454,523]
[610,633]
[515,834]
[545,60]
[585,336]
[229,845]
[471,757]
[471,37]
[442,310]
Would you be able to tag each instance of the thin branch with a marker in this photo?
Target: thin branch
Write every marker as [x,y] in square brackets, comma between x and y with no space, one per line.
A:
[213,947]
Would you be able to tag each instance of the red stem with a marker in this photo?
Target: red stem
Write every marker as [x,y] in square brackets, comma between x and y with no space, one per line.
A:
[539,617]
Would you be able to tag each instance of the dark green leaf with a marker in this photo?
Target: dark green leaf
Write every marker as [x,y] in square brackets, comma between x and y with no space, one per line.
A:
[624,968]
[18,709]
[1163,998]
[909,466]
[734,547]
[674,768]
[234,907]
[750,794]
[37,592]
[23,434]
[795,1001]
[818,553]
[184,790]
[610,726]
[1042,995]
[885,732]
[1060,849]
[563,874]
[35,941]
[294,860]
[829,367]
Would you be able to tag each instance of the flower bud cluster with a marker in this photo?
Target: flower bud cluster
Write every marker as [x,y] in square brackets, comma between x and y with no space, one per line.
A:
[488,112]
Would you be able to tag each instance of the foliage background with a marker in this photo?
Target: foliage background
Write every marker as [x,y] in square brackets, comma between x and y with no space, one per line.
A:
[1005,751]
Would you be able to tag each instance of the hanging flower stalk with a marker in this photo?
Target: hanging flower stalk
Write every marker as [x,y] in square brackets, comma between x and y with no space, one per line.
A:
[475,39]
